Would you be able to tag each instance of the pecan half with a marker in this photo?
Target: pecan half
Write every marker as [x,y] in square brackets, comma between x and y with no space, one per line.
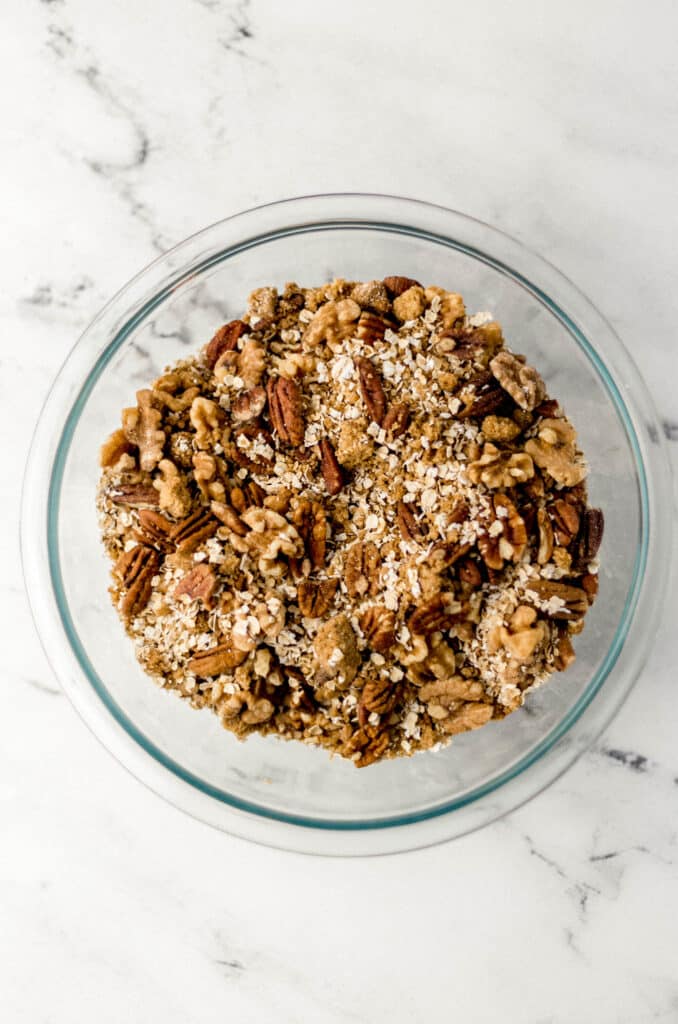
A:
[378,697]
[437,614]
[222,658]
[372,328]
[407,522]
[286,410]
[315,597]
[249,405]
[134,495]
[559,600]
[154,530]
[591,536]
[189,533]
[199,584]
[229,517]
[396,420]
[225,340]
[330,468]
[395,286]
[371,389]
[136,568]
[545,537]
[379,624]
[480,396]
[252,448]
[469,573]
[361,569]
[565,519]
[311,522]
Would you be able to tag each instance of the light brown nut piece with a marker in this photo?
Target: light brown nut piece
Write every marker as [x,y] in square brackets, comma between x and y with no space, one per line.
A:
[198,585]
[332,323]
[469,716]
[564,651]
[375,751]
[142,427]
[520,381]
[454,688]
[286,410]
[565,519]
[176,403]
[310,519]
[558,600]
[206,474]
[378,625]
[217,660]
[173,493]
[397,419]
[226,514]
[506,537]
[154,530]
[397,285]
[553,450]
[270,538]
[315,597]
[500,428]
[225,340]
[377,698]
[479,396]
[249,405]
[497,468]
[251,363]
[136,569]
[372,295]
[206,419]
[260,711]
[371,388]
[135,495]
[114,448]
[336,650]
[410,304]
[361,569]
[452,306]
[333,476]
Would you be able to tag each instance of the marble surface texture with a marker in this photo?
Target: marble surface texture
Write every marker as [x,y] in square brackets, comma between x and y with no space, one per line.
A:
[126,127]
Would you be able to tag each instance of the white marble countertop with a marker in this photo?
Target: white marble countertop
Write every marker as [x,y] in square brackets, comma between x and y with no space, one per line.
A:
[128,126]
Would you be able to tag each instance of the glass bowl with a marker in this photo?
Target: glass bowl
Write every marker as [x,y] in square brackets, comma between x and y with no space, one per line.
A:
[286,794]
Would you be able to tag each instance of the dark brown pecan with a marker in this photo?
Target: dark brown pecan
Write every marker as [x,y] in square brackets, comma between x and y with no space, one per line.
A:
[315,597]
[134,495]
[371,389]
[378,697]
[372,328]
[222,658]
[445,553]
[565,519]
[249,405]
[480,396]
[395,286]
[242,498]
[590,538]
[396,420]
[407,522]
[330,468]
[199,584]
[564,650]
[311,522]
[438,613]
[571,603]
[225,340]
[249,448]
[469,573]
[285,409]
[154,530]
[361,569]
[548,409]
[189,533]
[590,584]
[136,568]
[379,624]
[229,517]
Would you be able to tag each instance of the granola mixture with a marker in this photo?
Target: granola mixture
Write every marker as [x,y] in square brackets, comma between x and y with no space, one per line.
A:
[354,519]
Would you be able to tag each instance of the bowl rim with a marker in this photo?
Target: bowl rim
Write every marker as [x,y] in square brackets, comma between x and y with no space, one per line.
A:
[35,495]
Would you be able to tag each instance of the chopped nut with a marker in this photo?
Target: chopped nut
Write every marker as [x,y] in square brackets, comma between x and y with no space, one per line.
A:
[545,537]
[397,420]
[565,520]
[332,323]
[249,405]
[372,328]
[133,495]
[217,660]
[199,585]
[554,451]
[336,650]
[410,304]
[591,534]
[114,448]
[469,716]
[372,295]
[142,427]
[225,340]
[206,419]
[361,569]
[496,468]
[558,600]
[479,396]
[396,286]
[437,614]
[315,597]
[285,410]
[410,528]
[523,636]
[520,381]
[174,496]
[500,428]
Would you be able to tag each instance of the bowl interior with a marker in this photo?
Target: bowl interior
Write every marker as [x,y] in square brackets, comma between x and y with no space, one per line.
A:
[288,780]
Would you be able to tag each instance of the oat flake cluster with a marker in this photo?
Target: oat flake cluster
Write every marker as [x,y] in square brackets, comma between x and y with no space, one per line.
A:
[355,519]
